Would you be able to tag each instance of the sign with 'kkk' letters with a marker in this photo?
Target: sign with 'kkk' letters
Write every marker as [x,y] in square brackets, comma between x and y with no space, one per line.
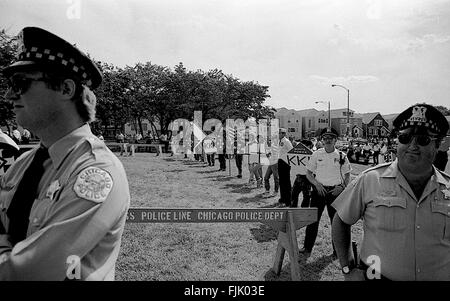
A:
[298,158]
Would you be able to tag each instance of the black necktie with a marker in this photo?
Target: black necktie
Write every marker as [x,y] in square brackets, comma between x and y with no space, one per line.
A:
[22,201]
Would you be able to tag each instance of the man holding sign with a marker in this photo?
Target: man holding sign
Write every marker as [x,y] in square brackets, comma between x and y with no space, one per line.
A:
[301,184]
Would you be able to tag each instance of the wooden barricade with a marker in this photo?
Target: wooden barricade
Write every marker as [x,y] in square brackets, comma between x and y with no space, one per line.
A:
[285,220]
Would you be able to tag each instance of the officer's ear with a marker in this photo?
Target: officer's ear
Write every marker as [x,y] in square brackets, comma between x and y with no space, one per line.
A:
[68,88]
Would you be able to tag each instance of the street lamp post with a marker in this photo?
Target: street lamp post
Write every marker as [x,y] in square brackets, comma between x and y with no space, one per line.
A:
[348,107]
[329,112]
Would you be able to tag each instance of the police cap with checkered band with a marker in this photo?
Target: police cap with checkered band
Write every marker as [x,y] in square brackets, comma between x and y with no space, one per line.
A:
[331,132]
[424,116]
[40,48]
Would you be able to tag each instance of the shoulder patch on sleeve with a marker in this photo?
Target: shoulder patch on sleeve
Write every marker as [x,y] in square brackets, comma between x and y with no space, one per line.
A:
[93,184]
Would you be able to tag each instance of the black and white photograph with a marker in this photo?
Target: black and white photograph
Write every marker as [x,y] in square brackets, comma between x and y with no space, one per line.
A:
[225,146]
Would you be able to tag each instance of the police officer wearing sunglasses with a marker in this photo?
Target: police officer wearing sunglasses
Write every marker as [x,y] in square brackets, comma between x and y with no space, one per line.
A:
[63,205]
[405,207]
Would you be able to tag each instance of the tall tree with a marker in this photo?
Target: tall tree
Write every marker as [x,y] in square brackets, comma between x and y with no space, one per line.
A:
[112,97]
[8,49]
[162,95]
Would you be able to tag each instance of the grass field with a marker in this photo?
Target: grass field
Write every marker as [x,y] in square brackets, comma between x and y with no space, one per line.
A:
[211,251]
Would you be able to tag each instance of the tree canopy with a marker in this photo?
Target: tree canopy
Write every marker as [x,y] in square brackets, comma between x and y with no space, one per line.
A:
[8,49]
[158,93]
[162,95]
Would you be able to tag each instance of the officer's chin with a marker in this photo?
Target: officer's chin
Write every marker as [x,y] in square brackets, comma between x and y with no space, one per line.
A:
[413,162]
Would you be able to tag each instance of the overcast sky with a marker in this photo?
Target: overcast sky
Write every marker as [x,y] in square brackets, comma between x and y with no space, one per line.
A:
[390,54]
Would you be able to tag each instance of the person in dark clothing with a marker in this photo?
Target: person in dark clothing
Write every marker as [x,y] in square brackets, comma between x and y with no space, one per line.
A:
[238,158]
[302,184]
[284,170]
[221,155]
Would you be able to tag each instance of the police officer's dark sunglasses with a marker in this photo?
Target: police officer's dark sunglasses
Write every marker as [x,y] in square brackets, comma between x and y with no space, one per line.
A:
[422,140]
[19,84]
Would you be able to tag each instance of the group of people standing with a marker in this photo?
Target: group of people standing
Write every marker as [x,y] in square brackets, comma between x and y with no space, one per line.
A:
[380,152]
[327,174]
[404,203]
[18,137]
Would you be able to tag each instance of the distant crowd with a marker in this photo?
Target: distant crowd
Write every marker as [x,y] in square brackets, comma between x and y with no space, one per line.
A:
[18,137]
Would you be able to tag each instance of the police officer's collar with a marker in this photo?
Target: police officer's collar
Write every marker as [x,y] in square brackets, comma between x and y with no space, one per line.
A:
[391,171]
[440,178]
[322,149]
[62,148]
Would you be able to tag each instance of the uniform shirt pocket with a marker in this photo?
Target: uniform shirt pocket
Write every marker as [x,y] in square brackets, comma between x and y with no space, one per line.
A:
[38,214]
[321,163]
[441,219]
[390,213]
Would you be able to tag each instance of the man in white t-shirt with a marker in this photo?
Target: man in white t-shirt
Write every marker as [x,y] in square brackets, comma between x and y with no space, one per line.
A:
[255,149]
[272,169]
[284,170]
[328,170]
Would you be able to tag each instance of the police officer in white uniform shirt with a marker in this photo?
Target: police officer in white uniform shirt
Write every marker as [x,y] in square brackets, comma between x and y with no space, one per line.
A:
[284,170]
[328,170]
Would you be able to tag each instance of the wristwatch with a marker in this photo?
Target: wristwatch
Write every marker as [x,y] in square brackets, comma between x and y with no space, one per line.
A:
[346,270]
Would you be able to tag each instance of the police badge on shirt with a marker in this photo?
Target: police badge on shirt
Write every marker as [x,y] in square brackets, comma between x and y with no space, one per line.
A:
[93,184]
